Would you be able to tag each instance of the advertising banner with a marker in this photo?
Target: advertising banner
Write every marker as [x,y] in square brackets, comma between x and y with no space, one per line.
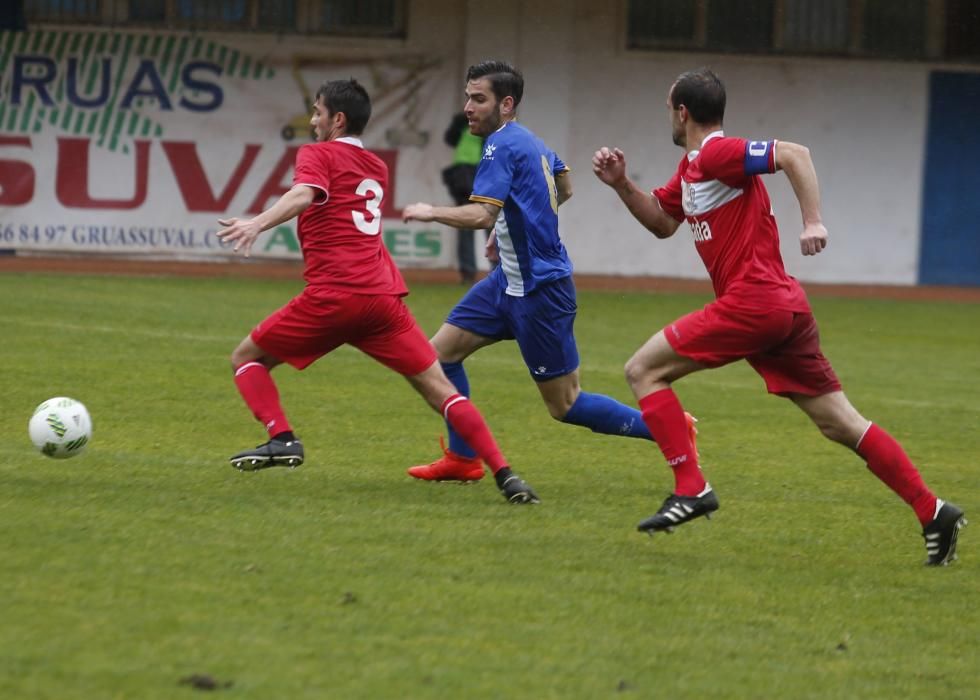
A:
[136,142]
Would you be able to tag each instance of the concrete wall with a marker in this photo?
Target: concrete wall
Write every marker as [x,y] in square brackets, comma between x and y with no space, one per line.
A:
[864,122]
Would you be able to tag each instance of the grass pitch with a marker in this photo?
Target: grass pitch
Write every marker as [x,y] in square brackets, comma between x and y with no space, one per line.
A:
[148,560]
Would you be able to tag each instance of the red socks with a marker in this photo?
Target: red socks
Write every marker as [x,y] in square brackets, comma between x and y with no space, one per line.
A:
[665,419]
[259,391]
[887,460]
[466,420]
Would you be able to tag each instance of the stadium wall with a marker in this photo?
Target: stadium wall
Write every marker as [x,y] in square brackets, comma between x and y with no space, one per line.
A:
[134,142]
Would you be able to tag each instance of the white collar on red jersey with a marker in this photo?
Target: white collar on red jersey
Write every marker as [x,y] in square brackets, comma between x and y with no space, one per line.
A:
[352,140]
[713,135]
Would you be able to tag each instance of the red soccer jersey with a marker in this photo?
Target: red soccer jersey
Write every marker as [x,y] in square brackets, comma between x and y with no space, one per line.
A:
[340,233]
[719,192]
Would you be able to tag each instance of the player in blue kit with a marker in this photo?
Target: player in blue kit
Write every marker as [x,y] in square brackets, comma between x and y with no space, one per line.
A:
[530,296]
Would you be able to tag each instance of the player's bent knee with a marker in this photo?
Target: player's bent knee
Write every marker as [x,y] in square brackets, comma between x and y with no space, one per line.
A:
[246,351]
[448,355]
[558,412]
[433,386]
[844,427]
[242,358]
[636,372]
[836,432]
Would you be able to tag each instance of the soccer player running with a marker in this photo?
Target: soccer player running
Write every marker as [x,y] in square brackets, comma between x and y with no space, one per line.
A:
[760,314]
[530,296]
[353,291]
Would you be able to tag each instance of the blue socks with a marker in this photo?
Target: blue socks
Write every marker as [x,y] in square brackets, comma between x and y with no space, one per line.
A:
[597,412]
[457,375]
[601,414]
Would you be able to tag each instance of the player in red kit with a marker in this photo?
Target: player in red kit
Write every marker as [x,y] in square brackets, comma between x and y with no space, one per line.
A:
[760,313]
[353,291]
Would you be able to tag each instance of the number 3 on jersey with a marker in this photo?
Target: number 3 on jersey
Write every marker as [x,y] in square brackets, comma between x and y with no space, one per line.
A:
[370,226]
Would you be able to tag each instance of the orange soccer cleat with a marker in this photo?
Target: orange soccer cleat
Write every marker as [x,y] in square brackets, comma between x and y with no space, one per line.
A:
[449,467]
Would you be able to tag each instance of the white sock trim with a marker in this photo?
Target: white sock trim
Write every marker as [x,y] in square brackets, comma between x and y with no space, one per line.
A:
[245,367]
[445,409]
[861,439]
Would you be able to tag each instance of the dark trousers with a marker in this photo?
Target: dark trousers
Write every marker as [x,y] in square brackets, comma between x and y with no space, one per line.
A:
[458,179]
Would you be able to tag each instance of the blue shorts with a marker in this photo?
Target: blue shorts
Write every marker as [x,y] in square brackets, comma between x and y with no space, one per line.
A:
[542,323]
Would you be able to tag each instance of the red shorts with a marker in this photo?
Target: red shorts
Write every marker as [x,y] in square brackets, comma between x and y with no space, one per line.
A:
[782,346]
[320,320]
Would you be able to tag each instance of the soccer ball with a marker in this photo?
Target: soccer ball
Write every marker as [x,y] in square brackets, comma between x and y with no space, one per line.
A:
[60,427]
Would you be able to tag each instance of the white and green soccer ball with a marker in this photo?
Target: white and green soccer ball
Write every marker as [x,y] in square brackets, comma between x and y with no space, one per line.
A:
[60,427]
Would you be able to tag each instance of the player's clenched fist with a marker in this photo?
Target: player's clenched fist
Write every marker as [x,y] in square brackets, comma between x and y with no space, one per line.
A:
[813,239]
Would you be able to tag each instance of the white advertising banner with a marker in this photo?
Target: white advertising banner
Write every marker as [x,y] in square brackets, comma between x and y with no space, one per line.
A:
[135,142]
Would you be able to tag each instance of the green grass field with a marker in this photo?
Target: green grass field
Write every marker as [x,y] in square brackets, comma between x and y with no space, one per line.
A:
[148,559]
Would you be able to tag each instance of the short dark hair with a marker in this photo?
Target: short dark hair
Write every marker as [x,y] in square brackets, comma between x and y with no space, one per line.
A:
[703,93]
[505,80]
[349,97]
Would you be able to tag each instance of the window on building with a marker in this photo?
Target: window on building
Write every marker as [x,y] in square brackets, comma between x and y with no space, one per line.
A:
[277,15]
[217,15]
[148,10]
[363,17]
[740,25]
[377,18]
[662,23]
[222,13]
[962,30]
[894,28]
[933,30]
[711,25]
[353,18]
[815,26]
[86,11]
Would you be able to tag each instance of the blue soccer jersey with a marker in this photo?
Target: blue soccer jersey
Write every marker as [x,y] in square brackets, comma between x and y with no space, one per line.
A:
[517,173]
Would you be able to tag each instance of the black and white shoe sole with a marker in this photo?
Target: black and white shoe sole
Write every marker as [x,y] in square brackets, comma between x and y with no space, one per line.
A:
[951,554]
[255,463]
[522,498]
[518,497]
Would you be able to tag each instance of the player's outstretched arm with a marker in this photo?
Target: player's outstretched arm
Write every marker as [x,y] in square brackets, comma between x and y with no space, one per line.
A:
[472,216]
[795,161]
[243,232]
[609,165]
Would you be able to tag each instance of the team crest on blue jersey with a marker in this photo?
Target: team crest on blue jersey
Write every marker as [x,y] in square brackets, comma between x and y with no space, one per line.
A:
[488,151]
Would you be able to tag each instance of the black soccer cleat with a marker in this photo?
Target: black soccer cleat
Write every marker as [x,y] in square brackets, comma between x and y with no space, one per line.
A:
[514,488]
[275,453]
[677,510]
[940,535]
